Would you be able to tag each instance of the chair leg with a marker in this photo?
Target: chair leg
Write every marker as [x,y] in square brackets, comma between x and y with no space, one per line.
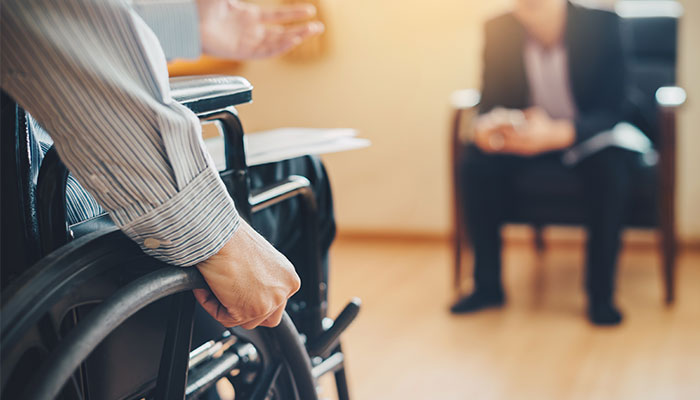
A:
[669,250]
[539,239]
[457,277]
[667,198]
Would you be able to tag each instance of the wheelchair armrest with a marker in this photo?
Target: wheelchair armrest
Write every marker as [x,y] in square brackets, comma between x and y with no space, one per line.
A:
[278,192]
[310,315]
[213,95]
[203,94]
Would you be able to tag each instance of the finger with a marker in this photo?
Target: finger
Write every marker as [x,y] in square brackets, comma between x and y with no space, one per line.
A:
[279,40]
[203,296]
[274,45]
[254,323]
[213,307]
[296,33]
[274,319]
[287,14]
[508,131]
[304,30]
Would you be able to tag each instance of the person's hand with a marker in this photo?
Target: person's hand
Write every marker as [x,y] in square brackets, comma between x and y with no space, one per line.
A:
[236,30]
[538,134]
[491,128]
[250,282]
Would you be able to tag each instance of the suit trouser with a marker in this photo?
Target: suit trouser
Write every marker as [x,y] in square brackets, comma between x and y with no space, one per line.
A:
[487,187]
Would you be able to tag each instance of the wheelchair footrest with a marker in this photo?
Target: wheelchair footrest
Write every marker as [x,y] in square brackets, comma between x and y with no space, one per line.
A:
[328,340]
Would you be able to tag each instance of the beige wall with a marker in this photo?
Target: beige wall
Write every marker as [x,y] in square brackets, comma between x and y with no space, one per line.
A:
[689,140]
[388,71]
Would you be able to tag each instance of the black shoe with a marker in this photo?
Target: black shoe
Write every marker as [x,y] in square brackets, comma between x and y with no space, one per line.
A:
[478,300]
[604,313]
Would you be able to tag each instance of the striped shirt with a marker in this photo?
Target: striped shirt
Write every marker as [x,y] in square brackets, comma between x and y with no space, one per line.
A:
[94,75]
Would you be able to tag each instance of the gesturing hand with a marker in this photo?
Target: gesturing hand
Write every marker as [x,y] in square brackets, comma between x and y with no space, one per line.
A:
[236,30]
[250,282]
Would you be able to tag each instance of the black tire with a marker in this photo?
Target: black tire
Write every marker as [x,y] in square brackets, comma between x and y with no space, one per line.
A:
[93,314]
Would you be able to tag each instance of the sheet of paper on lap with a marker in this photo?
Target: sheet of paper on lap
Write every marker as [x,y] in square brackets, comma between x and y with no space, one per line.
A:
[286,143]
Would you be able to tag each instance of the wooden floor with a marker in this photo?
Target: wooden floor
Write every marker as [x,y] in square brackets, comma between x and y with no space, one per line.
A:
[406,345]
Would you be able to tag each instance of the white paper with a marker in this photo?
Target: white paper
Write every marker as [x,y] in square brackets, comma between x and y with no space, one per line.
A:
[623,135]
[286,143]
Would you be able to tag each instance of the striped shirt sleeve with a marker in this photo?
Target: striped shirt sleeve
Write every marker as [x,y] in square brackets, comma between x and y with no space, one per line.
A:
[93,74]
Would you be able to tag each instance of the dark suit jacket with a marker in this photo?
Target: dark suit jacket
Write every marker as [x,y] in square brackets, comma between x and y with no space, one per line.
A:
[596,67]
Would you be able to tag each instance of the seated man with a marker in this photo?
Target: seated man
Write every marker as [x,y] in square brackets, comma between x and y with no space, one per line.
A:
[553,78]
[94,75]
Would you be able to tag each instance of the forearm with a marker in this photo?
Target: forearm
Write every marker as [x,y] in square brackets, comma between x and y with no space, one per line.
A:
[93,74]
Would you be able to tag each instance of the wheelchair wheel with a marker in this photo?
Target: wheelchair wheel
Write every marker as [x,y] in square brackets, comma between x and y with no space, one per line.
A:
[98,319]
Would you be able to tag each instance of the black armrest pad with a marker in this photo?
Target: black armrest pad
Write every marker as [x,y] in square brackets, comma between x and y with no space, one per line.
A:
[203,94]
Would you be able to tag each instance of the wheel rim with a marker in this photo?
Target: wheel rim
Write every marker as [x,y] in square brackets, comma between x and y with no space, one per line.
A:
[167,281]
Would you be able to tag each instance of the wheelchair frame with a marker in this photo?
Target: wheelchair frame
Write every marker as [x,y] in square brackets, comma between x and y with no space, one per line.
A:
[314,352]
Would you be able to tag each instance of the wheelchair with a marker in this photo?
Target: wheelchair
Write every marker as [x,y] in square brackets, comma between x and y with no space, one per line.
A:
[87,315]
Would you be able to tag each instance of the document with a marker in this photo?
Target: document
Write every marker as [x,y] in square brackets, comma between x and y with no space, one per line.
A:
[286,143]
[623,135]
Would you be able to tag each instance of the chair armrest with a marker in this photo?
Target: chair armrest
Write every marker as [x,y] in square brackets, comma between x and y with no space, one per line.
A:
[670,97]
[205,94]
[464,104]
[465,98]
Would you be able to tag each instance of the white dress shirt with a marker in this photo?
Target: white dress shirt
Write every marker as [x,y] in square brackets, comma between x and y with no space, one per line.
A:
[547,71]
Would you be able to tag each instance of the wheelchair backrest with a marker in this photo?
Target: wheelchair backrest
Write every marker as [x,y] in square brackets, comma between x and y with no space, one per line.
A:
[21,158]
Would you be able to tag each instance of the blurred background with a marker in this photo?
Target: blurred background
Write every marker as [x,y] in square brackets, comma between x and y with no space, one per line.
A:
[388,68]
